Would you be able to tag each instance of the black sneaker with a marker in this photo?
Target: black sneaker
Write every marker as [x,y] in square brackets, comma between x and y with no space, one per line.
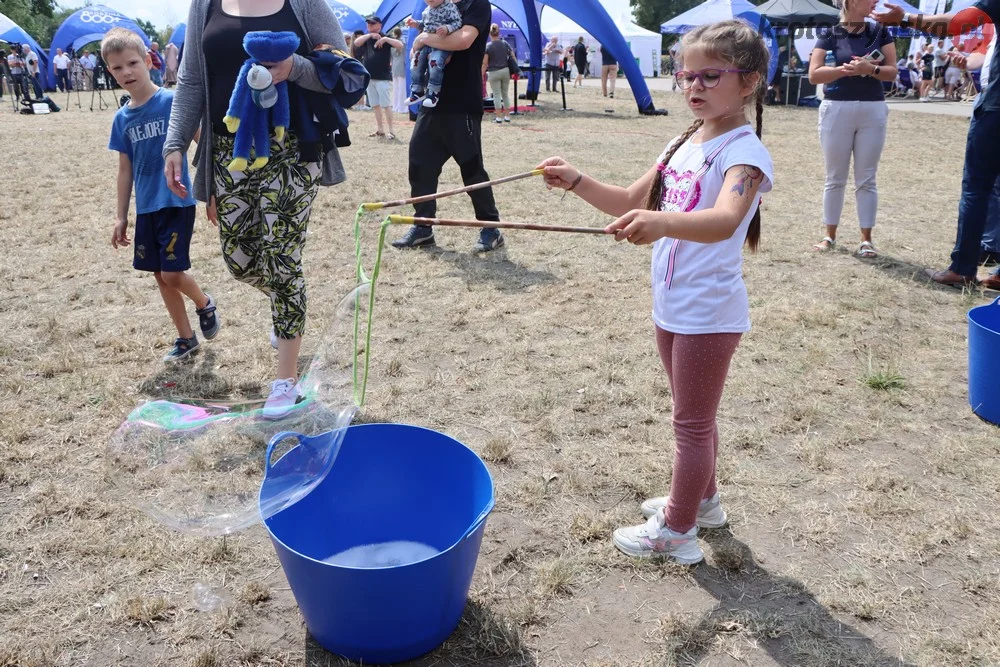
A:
[181,349]
[489,239]
[208,320]
[415,237]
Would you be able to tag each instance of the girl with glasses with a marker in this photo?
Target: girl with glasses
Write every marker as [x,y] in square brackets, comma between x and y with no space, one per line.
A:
[697,206]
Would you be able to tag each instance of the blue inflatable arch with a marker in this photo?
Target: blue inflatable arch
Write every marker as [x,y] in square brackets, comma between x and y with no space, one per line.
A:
[12,33]
[589,14]
[85,26]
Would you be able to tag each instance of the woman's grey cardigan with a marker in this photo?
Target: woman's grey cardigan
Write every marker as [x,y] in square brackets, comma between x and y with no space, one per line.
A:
[190,106]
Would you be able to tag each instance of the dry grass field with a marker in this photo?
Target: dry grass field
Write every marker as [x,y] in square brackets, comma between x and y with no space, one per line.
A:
[862,491]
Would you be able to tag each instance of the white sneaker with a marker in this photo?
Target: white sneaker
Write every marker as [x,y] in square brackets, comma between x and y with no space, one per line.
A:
[282,399]
[653,539]
[710,513]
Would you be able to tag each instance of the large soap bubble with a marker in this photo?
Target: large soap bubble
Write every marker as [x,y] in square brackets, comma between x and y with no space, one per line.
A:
[197,465]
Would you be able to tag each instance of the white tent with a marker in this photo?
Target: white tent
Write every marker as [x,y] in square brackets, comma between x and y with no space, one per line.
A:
[644,44]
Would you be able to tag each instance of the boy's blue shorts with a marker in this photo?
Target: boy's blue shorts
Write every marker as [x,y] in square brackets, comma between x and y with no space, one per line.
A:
[163,239]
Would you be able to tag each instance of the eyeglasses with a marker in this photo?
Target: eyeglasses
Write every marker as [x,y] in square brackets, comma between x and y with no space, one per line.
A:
[709,78]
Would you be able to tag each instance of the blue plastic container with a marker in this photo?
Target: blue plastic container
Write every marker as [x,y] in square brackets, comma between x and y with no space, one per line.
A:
[984,361]
[389,482]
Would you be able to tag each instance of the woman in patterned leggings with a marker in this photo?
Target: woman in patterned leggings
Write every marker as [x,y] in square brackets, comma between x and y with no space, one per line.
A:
[262,213]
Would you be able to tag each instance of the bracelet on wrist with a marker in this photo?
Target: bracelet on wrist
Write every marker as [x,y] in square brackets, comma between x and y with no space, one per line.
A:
[576,182]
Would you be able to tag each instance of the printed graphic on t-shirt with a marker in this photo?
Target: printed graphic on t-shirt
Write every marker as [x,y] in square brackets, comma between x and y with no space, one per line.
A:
[148,130]
[676,188]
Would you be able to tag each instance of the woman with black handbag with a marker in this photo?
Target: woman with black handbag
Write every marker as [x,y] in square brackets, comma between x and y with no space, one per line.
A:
[498,64]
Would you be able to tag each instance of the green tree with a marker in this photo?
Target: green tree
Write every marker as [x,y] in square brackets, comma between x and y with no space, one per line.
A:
[148,28]
[52,24]
[164,36]
[650,14]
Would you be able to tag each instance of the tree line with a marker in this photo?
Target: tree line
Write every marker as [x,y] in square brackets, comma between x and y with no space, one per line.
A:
[41,19]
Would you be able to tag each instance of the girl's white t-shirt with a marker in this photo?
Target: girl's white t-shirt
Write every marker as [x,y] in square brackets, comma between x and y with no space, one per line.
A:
[698,287]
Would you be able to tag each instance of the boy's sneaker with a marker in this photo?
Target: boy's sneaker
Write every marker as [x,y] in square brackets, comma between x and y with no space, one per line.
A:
[282,399]
[653,539]
[489,239]
[431,101]
[181,349]
[710,513]
[415,98]
[208,320]
[416,236]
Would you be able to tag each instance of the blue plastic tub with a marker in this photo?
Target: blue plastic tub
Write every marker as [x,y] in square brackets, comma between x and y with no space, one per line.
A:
[984,361]
[390,482]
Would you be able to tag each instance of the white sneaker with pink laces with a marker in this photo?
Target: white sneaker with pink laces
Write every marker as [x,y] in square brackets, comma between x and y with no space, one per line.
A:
[654,540]
[282,399]
[711,514]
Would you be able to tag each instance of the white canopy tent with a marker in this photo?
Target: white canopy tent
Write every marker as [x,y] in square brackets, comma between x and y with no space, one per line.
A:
[644,44]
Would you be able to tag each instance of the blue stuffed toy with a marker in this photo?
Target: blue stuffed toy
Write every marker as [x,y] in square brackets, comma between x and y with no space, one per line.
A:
[257,103]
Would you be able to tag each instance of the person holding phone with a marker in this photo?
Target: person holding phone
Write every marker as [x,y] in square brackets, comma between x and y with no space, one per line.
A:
[853,114]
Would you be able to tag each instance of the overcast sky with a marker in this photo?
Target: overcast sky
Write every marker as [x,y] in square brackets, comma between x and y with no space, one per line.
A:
[163,13]
[171,12]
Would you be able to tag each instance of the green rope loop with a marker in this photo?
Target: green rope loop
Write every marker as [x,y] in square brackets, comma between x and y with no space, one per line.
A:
[361,383]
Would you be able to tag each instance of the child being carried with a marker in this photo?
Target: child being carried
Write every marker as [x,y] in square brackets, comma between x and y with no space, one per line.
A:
[442,18]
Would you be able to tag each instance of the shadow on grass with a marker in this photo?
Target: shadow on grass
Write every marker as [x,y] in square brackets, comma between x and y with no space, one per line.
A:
[903,270]
[779,612]
[493,268]
[483,638]
[194,376]
[898,268]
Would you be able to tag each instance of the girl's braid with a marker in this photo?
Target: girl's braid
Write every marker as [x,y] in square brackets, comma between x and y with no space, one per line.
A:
[655,195]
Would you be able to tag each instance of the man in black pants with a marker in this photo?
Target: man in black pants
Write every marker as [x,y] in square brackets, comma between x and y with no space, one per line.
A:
[452,129]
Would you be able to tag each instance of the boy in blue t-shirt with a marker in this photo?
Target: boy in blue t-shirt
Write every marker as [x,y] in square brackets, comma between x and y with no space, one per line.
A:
[164,222]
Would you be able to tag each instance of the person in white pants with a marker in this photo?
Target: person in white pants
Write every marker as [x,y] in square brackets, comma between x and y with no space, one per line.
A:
[853,114]
[400,92]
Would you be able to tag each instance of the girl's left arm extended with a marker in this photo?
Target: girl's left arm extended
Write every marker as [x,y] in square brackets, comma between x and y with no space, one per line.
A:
[739,194]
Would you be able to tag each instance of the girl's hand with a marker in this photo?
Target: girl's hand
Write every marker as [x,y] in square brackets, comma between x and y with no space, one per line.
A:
[173,169]
[279,71]
[559,173]
[639,227]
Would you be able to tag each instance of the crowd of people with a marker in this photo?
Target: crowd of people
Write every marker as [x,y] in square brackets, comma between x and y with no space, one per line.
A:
[385,57]
[21,72]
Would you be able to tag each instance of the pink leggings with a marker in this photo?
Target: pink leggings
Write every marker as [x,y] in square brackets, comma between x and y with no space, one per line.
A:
[697,366]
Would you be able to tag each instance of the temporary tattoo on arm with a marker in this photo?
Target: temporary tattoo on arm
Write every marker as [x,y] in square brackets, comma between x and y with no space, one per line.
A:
[748,177]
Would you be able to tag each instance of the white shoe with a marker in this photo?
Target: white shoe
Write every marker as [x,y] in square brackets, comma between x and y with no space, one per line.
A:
[653,539]
[282,399]
[710,513]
